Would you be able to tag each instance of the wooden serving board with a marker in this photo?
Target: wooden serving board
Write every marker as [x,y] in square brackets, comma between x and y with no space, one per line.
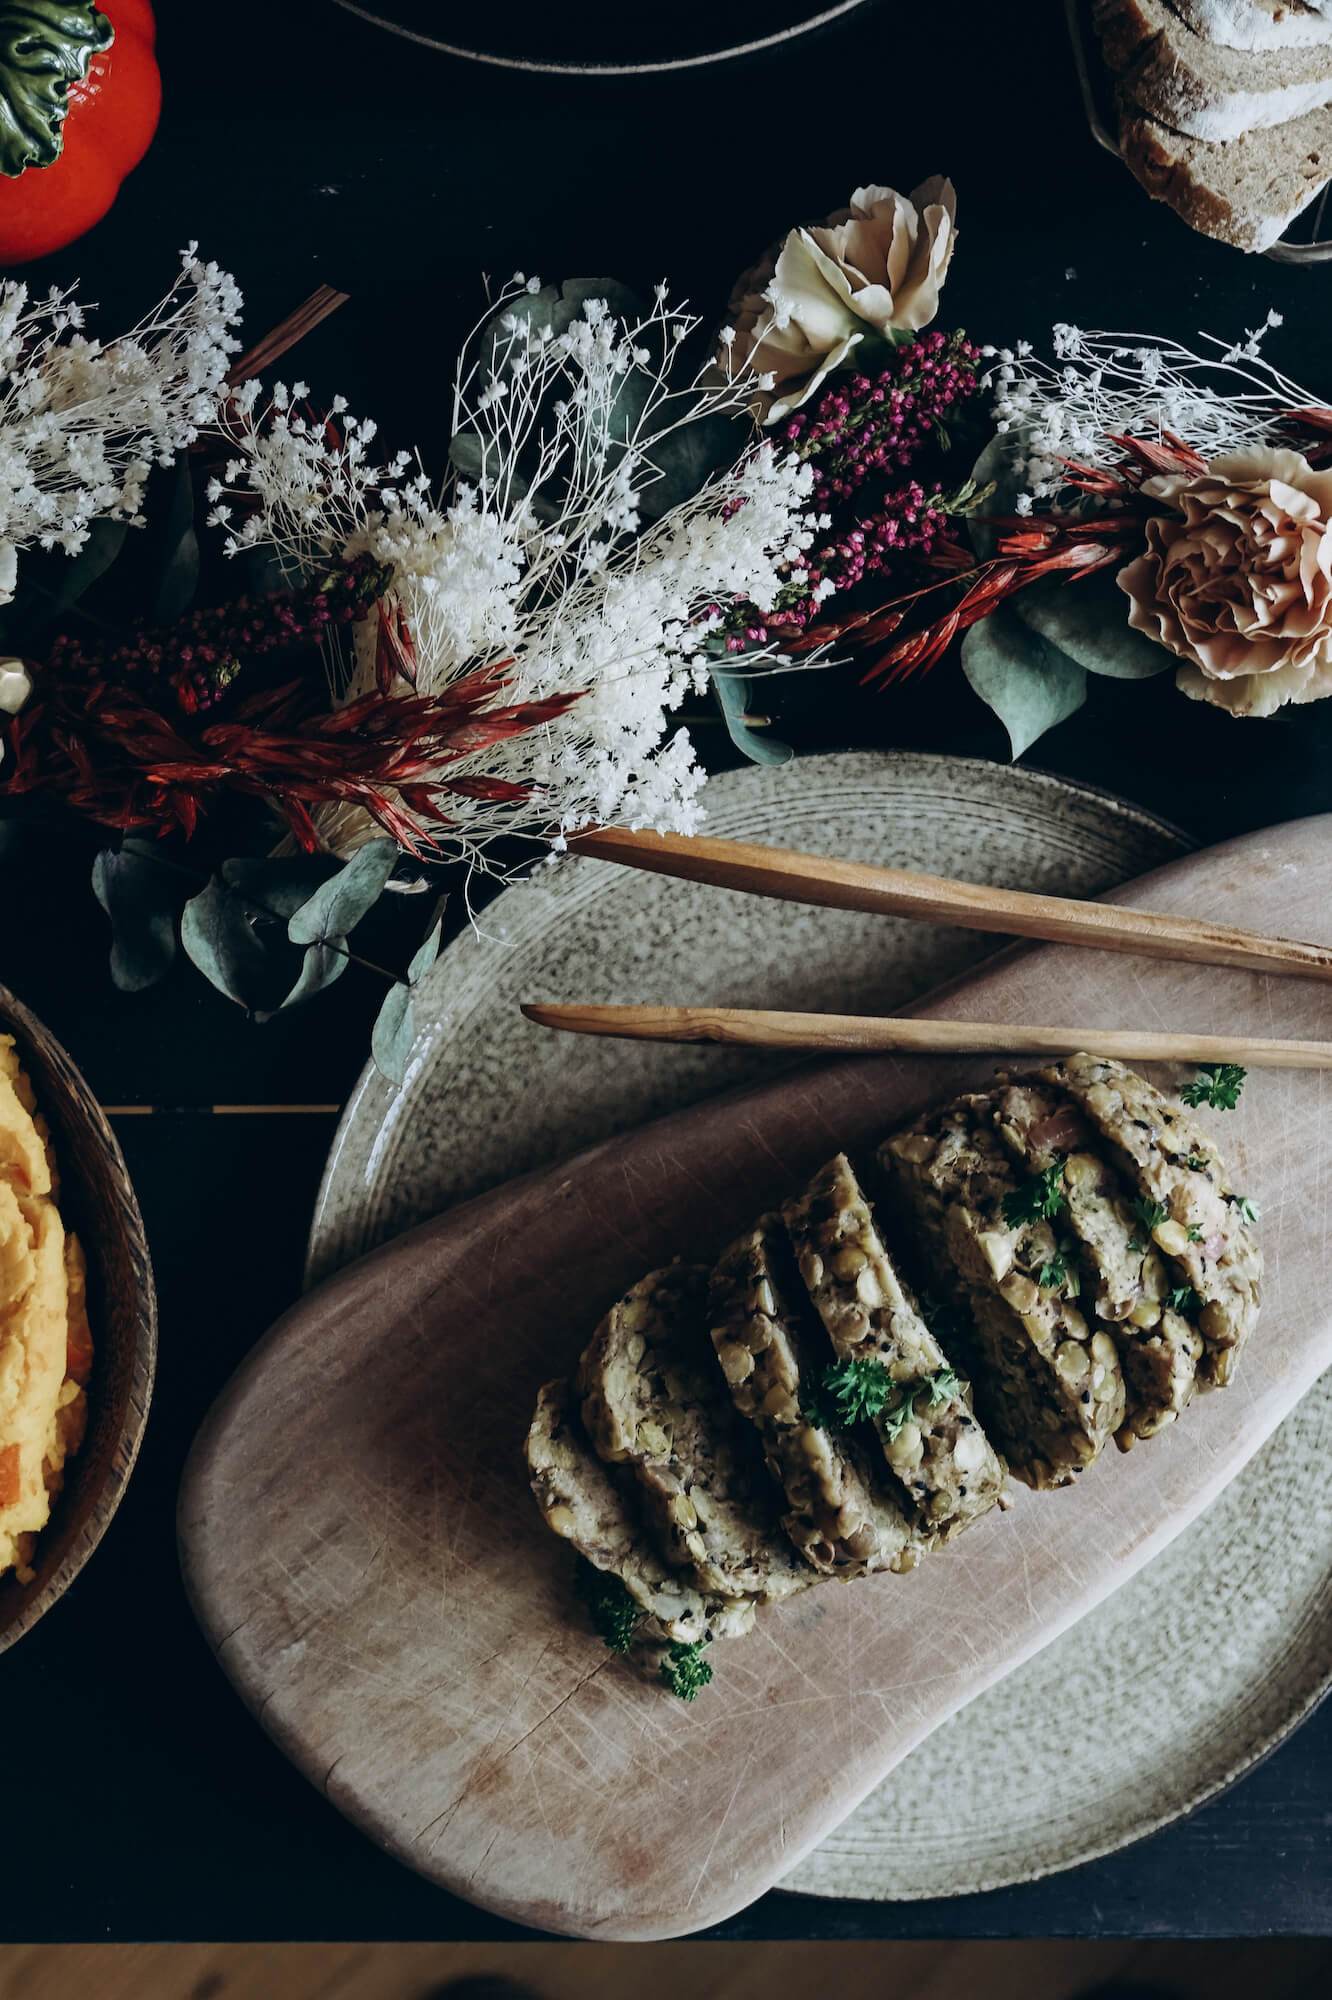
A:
[363,1553]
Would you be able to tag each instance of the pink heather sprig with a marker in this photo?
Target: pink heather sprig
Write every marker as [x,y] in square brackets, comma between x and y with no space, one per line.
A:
[907,526]
[869,427]
[200,656]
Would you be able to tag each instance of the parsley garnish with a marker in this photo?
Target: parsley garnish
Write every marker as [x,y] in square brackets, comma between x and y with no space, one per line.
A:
[854,1390]
[1193,1233]
[1039,1197]
[1217,1084]
[613,1611]
[684,1670]
[848,1392]
[1198,1163]
[1061,1269]
[1148,1214]
[1183,1299]
[1247,1209]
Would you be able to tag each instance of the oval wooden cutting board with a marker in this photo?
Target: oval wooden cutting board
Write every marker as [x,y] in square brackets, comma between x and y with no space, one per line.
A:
[361,1548]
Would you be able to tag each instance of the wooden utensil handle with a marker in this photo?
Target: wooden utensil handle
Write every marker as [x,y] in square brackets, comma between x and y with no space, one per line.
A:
[759,1028]
[896,892]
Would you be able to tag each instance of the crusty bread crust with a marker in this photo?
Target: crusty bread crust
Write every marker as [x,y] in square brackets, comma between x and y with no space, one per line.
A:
[1246,191]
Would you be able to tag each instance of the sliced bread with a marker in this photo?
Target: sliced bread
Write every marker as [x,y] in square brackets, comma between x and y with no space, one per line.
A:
[1196,87]
[1258,24]
[1246,191]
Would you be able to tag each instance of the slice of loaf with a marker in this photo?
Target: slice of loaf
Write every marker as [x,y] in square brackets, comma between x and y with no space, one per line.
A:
[1200,1227]
[1246,191]
[584,1505]
[1048,1385]
[1258,24]
[1113,1257]
[654,1398]
[1198,88]
[772,1360]
[928,1431]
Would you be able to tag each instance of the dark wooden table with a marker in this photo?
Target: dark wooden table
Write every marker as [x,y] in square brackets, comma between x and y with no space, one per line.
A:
[299,146]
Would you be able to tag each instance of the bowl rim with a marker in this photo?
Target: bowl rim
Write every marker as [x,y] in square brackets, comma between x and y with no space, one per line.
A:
[31,1034]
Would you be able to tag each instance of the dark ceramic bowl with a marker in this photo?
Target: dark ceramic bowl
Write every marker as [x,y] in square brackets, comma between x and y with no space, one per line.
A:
[98,1203]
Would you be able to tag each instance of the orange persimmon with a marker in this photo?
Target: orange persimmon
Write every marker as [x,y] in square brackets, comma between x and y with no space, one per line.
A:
[69,149]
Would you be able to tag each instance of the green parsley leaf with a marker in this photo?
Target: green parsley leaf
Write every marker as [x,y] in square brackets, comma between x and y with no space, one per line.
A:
[1183,1300]
[1148,1214]
[1247,1209]
[942,1384]
[1039,1197]
[1217,1084]
[857,1389]
[1198,1163]
[1062,1269]
[1193,1233]
[613,1611]
[817,1409]
[684,1670]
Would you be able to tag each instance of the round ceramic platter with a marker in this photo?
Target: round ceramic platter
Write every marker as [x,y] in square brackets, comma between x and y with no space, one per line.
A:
[1195,1668]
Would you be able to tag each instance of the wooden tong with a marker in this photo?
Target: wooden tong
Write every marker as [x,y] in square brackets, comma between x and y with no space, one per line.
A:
[851,885]
[935,899]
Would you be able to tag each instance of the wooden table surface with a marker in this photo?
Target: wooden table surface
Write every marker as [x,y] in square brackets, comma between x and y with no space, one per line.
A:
[300,147]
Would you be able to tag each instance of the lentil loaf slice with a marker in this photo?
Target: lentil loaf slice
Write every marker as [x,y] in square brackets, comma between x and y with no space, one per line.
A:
[1130,1287]
[927,1430]
[654,1398]
[1050,1388]
[585,1506]
[1176,1168]
[770,1357]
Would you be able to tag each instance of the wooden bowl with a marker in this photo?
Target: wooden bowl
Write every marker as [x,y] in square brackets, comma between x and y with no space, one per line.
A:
[97,1201]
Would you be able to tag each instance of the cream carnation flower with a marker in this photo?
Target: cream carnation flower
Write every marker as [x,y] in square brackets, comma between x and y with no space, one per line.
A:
[1236,579]
[871,268]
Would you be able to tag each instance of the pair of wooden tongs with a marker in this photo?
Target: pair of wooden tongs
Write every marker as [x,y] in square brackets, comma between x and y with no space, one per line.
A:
[895,892]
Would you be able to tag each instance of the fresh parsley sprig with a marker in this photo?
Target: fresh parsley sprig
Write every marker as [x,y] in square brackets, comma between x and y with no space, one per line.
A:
[1062,1271]
[1246,1208]
[1038,1198]
[1217,1084]
[613,1611]
[684,1670]
[1183,1299]
[851,1392]
[1148,1215]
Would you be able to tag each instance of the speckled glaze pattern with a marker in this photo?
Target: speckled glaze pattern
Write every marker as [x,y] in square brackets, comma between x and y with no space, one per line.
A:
[97,1199]
[1231,1627]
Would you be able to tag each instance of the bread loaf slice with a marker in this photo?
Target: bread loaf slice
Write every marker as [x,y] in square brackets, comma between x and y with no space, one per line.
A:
[1258,24]
[1246,191]
[1199,88]
[654,1398]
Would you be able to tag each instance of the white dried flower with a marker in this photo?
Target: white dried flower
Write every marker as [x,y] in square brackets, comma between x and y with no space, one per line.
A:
[82,423]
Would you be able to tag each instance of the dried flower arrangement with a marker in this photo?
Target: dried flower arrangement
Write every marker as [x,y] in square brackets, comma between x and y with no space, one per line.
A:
[474,668]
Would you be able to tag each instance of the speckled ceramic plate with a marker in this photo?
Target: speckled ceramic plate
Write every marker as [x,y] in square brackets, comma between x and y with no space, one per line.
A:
[1240,1652]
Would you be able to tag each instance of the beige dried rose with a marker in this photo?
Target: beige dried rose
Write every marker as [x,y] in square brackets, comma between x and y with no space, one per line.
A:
[1236,579]
[875,266]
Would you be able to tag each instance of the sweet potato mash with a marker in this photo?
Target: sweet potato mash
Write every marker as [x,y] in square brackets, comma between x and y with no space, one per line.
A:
[45,1345]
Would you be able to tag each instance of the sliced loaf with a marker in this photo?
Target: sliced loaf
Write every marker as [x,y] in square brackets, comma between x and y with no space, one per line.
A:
[1198,88]
[1246,191]
[1258,24]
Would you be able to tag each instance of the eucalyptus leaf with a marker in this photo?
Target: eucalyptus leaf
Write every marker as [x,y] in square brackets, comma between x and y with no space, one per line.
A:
[219,935]
[425,954]
[394,1032]
[141,895]
[178,578]
[1028,683]
[339,904]
[277,888]
[323,965]
[996,466]
[732,692]
[687,458]
[1087,618]
[77,574]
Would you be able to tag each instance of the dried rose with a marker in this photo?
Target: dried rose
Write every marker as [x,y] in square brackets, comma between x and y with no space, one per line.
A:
[872,268]
[1236,579]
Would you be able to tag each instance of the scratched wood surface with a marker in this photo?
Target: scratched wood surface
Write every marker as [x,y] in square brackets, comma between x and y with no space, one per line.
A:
[362,1551]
